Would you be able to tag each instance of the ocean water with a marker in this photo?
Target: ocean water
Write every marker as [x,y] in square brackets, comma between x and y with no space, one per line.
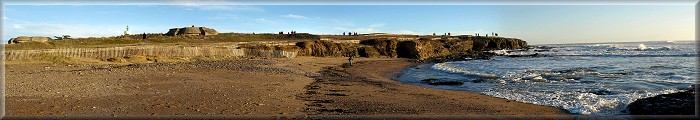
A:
[589,79]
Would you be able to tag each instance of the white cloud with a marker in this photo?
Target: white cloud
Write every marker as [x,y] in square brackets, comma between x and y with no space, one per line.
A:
[366,30]
[49,30]
[146,6]
[226,16]
[223,8]
[265,21]
[377,25]
[294,16]
[17,26]
[410,32]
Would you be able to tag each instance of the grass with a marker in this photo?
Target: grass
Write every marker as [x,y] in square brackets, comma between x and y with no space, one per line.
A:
[49,58]
[155,39]
[360,37]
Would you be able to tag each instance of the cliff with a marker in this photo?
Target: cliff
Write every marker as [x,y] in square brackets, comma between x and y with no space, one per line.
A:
[416,49]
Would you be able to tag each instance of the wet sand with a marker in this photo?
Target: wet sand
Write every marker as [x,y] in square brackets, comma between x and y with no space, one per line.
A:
[296,87]
[367,88]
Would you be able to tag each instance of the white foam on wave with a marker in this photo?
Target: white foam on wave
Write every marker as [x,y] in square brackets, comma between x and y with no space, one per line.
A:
[577,102]
[680,77]
[500,52]
[447,68]
[642,47]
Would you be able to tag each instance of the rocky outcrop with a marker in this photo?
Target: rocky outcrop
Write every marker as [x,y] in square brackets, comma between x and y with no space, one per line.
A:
[368,51]
[24,39]
[416,49]
[497,43]
[421,49]
[384,47]
[681,103]
[321,48]
[191,31]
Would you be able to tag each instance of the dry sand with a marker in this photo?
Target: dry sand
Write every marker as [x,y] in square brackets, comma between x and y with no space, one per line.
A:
[297,86]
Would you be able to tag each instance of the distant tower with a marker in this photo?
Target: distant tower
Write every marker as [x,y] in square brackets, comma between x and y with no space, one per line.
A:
[127,30]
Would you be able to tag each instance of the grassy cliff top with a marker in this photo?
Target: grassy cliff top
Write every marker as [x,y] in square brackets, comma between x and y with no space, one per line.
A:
[160,39]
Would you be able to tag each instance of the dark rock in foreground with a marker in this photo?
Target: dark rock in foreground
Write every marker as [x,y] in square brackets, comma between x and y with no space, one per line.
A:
[433,81]
[463,57]
[532,55]
[681,103]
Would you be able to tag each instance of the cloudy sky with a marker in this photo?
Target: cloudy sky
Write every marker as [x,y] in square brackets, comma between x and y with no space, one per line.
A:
[537,24]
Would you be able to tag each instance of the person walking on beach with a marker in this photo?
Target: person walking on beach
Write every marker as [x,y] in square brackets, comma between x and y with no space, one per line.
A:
[350,60]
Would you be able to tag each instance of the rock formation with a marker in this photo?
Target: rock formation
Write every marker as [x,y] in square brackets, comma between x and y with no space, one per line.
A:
[191,31]
[384,47]
[327,49]
[416,49]
[24,39]
[681,103]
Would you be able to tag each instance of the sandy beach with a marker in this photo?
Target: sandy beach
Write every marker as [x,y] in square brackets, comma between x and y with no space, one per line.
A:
[293,86]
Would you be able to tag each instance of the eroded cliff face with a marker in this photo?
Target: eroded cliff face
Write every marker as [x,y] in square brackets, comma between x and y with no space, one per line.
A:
[326,49]
[416,49]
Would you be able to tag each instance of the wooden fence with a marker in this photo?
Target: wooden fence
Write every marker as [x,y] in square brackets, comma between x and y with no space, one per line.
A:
[169,51]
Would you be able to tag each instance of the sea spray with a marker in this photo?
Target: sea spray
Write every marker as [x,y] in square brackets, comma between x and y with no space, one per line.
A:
[642,47]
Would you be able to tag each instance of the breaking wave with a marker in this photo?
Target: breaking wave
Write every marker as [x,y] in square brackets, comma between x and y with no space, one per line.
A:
[597,79]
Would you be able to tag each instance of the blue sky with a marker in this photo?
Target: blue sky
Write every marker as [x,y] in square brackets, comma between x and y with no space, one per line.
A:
[537,24]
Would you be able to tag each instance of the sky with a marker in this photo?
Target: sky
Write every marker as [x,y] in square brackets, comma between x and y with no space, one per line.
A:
[537,24]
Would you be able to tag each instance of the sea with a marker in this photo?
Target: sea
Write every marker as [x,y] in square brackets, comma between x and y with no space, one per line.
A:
[586,79]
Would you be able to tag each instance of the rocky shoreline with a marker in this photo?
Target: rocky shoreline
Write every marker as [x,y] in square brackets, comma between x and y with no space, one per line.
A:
[680,103]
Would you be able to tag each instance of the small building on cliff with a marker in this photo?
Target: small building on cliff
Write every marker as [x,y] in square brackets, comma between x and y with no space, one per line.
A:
[24,39]
[203,31]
